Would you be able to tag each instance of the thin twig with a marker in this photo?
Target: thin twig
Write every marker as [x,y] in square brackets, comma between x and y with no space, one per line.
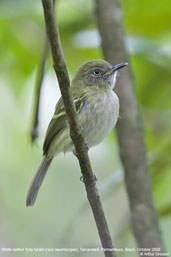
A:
[111,183]
[38,88]
[129,130]
[75,129]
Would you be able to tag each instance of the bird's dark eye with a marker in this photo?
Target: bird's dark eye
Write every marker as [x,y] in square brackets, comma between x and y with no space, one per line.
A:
[96,72]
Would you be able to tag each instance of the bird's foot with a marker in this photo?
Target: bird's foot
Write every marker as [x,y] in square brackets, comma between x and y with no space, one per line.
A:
[95,178]
[87,148]
[75,153]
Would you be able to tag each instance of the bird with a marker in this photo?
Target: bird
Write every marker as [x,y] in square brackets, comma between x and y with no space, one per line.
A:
[97,107]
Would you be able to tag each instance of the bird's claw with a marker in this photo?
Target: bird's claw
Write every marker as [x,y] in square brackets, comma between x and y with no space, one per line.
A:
[95,178]
[86,146]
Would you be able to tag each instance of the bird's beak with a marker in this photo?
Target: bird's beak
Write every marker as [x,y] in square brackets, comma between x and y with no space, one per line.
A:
[114,68]
[119,66]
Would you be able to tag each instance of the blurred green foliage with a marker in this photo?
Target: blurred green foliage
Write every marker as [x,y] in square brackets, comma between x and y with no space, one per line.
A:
[61,216]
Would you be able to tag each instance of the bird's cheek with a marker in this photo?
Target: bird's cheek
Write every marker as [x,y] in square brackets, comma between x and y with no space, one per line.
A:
[113,79]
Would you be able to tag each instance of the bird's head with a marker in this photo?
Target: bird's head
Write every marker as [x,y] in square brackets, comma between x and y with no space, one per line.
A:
[97,73]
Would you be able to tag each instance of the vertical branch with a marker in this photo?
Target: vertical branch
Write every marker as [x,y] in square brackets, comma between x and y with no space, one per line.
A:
[129,130]
[38,88]
[75,129]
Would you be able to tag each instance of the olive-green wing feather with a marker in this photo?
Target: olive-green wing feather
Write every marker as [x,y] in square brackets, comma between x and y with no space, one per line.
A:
[59,121]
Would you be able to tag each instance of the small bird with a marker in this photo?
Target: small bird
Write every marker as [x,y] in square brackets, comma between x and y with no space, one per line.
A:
[97,107]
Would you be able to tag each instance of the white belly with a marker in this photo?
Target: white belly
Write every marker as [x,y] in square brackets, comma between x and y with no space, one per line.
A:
[99,119]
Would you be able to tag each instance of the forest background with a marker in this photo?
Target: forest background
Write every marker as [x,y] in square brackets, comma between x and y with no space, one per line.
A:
[61,216]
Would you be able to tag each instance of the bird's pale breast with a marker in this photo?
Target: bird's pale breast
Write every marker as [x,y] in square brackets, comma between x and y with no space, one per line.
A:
[99,119]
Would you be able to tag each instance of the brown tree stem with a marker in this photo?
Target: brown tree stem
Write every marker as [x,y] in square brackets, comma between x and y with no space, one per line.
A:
[38,88]
[129,130]
[75,129]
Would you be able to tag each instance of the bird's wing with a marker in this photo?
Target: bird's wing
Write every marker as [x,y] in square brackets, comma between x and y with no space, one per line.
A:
[59,121]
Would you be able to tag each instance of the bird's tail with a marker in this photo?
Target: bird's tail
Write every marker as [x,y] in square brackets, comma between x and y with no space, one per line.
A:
[37,181]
